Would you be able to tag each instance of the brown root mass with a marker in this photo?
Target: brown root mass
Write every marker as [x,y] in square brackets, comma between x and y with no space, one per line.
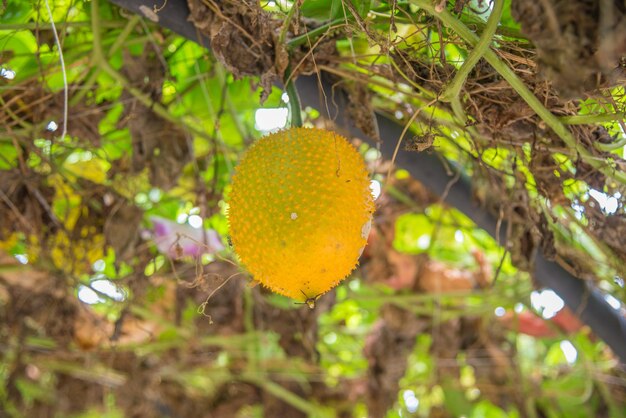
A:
[580,44]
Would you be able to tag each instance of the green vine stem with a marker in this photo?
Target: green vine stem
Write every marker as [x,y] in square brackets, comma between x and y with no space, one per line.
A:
[222,76]
[287,22]
[314,33]
[7,268]
[591,119]
[613,146]
[287,396]
[253,348]
[453,90]
[290,87]
[594,119]
[95,72]
[48,25]
[518,85]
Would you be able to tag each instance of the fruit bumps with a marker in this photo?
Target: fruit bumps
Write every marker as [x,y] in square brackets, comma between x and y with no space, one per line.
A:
[300,210]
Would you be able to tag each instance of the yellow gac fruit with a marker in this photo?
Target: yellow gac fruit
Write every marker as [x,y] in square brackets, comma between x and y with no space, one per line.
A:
[300,211]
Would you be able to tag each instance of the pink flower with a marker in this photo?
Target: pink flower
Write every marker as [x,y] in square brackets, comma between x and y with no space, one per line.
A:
[176,240]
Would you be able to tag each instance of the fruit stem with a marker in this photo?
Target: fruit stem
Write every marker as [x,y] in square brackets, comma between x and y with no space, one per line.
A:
[287,22]
[294,100]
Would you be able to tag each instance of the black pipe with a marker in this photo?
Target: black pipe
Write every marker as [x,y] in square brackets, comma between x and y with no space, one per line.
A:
[583,298]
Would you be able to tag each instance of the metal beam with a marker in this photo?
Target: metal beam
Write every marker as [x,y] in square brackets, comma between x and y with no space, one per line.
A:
[582,297]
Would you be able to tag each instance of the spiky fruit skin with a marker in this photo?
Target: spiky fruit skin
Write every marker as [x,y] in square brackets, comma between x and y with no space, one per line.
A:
[300,211]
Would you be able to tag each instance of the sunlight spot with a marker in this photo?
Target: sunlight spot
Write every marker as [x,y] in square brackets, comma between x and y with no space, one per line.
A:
[22,258]
[73,12]
[423,242]
[613,301]
[420,367]
[354,321]
[345,356]
[518,308]
[569,351]
[155,195]
[108,199]
[79,156]
[500,311]
[285,98]
[44,144]
[169,90]
[108,288]
[267,120]
[335,370]
[87,295]
[52,126]
[473,394]
[271,4]
[195,221]
[458,236]
[375,188]
[609,204]
[182,218]
[578,209]
[372,154]
[6,73]
[410,400]
[398,114]
[330,338]
[141,199]
[546,302]
[99,265]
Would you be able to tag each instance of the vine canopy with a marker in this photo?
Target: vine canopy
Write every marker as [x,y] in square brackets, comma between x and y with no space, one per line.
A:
[119,291]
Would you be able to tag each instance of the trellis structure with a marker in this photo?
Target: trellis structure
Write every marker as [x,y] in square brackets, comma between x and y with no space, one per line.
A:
[582,297]
[118,290]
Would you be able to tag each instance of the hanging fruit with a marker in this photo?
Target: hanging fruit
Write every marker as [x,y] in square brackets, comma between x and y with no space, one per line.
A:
[300,211]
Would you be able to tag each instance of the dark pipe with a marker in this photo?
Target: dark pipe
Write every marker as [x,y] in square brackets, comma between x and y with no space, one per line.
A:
[581,297]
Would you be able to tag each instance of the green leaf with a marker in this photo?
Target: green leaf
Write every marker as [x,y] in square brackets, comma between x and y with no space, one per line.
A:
[321,9]
[18,52]
[485,409]
[8,155]
[16,11]
[455,401]
[507,19]
[413,232]
[572,392]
